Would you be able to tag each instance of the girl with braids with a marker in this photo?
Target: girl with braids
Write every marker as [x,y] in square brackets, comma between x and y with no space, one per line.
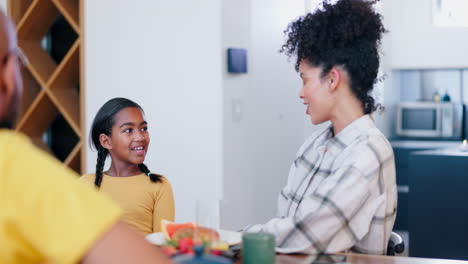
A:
[120,131]
[341,191]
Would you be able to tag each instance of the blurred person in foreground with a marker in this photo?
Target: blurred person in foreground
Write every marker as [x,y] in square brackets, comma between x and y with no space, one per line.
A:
[47,215]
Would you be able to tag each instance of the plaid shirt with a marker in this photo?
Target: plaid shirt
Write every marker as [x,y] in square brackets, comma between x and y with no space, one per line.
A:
[341,194]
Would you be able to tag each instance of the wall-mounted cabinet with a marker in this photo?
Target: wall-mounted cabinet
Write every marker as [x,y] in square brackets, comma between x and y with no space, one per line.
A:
[416,43]
[49,33]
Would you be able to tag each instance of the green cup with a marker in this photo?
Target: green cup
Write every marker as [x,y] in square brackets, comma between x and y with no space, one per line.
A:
[258,248]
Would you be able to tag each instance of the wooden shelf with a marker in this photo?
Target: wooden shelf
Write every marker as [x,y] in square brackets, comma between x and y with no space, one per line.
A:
[68,67]
[30,90]
[52,102]
[62,87]
[70,10]
[18,10]
[41,64]
[37,20]
[74,158]
[38,117]
[40,144]
[67,103]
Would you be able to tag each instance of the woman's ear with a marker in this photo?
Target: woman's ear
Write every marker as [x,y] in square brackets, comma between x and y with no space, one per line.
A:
[334,78]
[106,141]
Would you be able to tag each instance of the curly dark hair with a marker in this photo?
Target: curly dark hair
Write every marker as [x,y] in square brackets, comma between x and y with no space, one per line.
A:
[346,34]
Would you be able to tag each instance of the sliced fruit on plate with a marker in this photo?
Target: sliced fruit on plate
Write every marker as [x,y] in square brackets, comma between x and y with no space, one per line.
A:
[169,228]
[198,234]
[175,232]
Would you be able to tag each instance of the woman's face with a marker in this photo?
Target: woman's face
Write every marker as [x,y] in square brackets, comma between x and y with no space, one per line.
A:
[315,93]
[130,138]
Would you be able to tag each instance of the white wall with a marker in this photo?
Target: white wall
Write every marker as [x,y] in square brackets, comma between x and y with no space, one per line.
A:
[165,55]
[261,141]
[417,43]
[3,5]
[385,91]
[236,209]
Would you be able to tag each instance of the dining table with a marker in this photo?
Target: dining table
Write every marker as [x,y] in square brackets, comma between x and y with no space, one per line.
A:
[353,258]
[339,258]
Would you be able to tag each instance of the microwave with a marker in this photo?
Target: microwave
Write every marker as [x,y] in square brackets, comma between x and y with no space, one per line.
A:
[436,120]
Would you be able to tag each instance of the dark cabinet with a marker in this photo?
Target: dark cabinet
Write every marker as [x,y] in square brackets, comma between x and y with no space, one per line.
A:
[405,168]
[401,221]
[402,155]
[438,204]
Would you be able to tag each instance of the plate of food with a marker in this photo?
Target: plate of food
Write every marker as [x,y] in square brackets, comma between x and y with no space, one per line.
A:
[181,237]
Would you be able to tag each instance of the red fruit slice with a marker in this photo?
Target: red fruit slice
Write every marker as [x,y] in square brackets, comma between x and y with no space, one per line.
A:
[169,228]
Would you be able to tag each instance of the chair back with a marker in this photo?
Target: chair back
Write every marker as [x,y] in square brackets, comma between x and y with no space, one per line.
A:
[396,245]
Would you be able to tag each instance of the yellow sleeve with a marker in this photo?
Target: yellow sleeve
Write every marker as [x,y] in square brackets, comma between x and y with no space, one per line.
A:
[163,205]
[56,217]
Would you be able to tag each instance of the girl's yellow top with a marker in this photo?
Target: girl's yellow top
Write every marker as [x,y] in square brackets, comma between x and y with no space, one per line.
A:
[144,202]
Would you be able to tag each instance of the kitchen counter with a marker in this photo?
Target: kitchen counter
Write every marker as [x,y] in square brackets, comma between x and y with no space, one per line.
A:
[425,144]
[454,151]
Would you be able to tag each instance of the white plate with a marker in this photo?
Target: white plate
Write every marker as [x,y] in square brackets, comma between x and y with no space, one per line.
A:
[156,238]
[231,237]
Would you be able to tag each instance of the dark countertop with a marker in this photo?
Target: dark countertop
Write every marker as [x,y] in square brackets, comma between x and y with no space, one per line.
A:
[455,151]
[424,144]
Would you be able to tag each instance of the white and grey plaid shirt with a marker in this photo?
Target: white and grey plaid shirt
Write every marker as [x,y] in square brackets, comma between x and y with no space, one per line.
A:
[341,194]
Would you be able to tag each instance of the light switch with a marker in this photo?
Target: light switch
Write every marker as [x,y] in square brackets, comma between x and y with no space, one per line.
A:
[236,109]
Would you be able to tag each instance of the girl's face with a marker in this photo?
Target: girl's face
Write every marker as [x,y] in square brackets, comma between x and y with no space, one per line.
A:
[129,138]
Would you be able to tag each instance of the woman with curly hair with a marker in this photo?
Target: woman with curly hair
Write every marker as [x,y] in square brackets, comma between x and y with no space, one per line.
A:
[341,189]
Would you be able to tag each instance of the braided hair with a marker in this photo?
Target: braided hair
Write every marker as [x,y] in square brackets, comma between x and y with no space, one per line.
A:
[346,34]
[102,124]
